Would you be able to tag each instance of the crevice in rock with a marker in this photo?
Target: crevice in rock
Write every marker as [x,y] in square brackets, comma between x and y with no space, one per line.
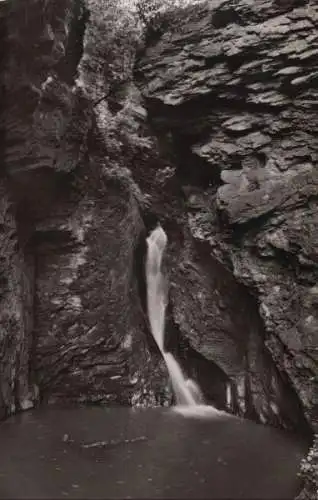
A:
[203,174]
[261,367]
[162,114]
[221,18]
[68,65]
[244,229]
[293,415]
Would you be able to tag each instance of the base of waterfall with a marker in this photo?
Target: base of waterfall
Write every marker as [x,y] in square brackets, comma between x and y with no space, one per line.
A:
[121,453]
[200,411]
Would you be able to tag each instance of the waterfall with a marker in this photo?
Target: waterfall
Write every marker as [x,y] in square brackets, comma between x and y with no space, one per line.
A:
[186,391]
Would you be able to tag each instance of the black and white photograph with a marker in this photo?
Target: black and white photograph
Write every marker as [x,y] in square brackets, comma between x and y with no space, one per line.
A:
[159,249]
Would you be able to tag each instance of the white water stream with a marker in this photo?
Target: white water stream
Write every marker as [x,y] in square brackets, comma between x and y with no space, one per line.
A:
[186,391]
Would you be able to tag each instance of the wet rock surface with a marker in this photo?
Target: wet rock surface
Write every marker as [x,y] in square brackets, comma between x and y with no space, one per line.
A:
[215,137]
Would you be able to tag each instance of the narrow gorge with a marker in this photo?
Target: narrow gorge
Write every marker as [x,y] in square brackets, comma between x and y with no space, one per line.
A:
[205,122]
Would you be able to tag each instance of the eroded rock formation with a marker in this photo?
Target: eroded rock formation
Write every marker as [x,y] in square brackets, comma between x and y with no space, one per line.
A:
[232,89]
[215,137]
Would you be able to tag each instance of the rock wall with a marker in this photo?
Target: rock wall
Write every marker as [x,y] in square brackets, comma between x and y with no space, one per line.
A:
[231,90]
[72,325]
[213,135]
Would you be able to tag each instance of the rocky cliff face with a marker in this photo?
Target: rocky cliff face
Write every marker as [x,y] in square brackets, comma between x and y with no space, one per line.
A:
[72,325]
[214,136]
[231,90]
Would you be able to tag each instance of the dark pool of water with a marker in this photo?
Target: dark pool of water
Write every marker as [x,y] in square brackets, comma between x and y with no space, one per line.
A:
[153,453]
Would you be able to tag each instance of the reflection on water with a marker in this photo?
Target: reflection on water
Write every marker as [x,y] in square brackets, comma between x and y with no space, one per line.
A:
[150,453]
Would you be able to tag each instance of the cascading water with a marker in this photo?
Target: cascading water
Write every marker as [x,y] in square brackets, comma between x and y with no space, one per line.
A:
[186,391]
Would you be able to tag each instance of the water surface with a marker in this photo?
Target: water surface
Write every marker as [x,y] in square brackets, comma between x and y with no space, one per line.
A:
[150,453]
